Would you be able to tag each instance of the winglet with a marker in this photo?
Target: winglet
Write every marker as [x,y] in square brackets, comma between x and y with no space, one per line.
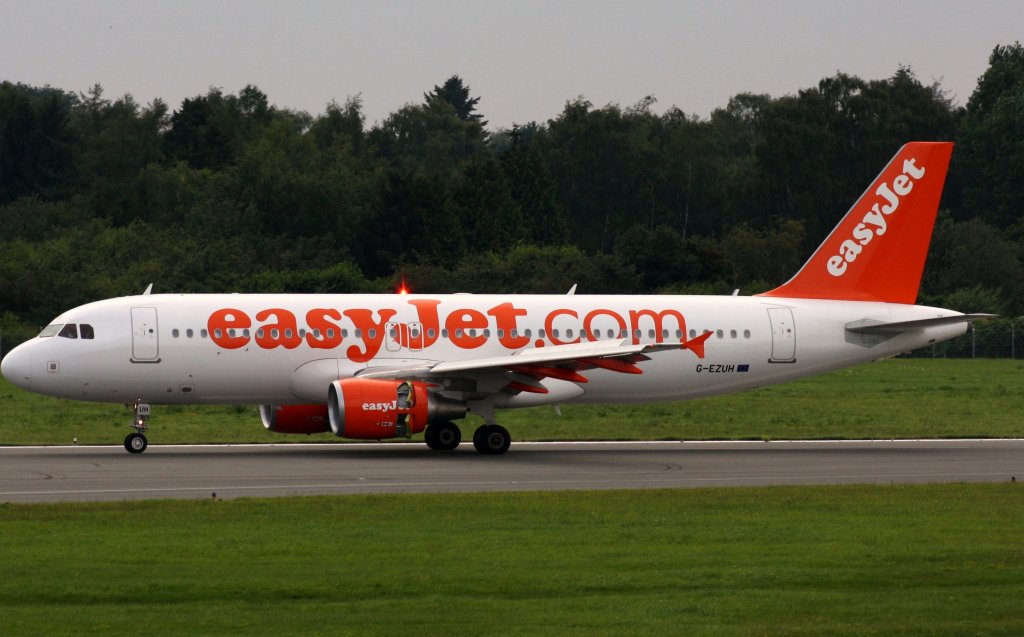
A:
[696,345]
[877,252]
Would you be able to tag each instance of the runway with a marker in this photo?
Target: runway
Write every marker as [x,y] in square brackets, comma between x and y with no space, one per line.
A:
[52,474]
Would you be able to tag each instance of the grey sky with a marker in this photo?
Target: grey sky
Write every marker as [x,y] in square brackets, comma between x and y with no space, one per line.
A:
[523,59]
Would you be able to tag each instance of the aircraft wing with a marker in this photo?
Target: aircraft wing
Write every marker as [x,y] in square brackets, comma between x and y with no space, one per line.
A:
[523,370]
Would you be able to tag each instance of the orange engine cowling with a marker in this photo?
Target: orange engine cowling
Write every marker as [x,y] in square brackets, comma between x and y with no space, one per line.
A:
[295,419]
[375,409]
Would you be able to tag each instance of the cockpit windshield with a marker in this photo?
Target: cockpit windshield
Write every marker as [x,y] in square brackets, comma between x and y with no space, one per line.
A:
[50,330]
[68,330]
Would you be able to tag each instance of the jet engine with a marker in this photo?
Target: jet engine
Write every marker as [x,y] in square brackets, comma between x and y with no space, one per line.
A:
[375,409]
[295,419]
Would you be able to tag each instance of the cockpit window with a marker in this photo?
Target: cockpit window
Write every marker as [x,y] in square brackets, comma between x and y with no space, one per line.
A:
[85,331]
[50,330]
[70,331]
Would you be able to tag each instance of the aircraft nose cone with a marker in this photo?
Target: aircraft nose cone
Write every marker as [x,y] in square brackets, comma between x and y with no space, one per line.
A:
[17,367]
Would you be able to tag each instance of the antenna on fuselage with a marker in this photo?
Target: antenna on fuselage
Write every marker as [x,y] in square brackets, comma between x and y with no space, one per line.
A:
[149,288]
[572,290]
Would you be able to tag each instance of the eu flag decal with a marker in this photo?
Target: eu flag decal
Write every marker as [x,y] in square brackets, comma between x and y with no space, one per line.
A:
[743,368]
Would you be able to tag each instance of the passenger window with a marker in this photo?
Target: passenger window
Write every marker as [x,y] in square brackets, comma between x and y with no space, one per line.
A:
[175,333]
[70,331]
[189,333]
[85,331]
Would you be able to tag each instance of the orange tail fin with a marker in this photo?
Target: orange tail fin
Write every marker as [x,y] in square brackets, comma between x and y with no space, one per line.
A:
[877,252]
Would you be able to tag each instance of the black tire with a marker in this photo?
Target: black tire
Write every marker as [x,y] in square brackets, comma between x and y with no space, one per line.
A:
[492,440]
[443,436]
[430,437]
[135,443]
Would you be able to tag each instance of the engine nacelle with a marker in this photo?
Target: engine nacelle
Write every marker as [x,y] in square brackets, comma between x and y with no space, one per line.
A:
[376,409]
[295,419]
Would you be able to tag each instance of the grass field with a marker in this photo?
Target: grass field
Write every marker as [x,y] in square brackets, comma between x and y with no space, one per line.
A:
[898,398]
[847,560]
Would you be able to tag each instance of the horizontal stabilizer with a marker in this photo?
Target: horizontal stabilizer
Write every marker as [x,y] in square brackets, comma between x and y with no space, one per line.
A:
[890,329]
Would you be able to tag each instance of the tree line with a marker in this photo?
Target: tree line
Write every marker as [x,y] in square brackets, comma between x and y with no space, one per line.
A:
[228,192]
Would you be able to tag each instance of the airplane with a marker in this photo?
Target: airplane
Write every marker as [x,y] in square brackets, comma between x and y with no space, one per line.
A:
[394,365]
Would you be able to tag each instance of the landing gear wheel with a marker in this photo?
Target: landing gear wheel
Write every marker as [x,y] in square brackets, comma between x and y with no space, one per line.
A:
[492,440]
[135,443]
[443,436]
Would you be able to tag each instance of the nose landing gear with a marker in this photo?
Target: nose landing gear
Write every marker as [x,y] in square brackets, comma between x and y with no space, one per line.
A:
[136,442]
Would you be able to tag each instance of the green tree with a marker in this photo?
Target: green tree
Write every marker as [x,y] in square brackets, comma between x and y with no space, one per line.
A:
[36,142]
[456,94]
[429,139]
[990,157]
[117,142]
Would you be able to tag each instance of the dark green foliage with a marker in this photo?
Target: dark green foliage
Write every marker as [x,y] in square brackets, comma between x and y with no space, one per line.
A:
[992,153]
[37,143]
[100,197]
[456,94]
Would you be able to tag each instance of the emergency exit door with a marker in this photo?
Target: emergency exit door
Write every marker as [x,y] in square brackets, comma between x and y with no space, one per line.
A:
[783,335]
[145,335]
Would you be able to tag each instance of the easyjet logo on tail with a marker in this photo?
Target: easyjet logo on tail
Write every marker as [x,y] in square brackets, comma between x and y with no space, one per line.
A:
[874,224]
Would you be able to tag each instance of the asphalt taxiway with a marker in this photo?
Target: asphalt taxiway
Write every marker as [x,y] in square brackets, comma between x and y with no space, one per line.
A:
[48,474]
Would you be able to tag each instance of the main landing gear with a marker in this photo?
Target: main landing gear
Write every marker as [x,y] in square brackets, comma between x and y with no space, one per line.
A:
[136,442]
[443,436]
[491,440]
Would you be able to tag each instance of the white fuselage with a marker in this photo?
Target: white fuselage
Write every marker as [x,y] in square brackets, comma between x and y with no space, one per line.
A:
[287,349]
